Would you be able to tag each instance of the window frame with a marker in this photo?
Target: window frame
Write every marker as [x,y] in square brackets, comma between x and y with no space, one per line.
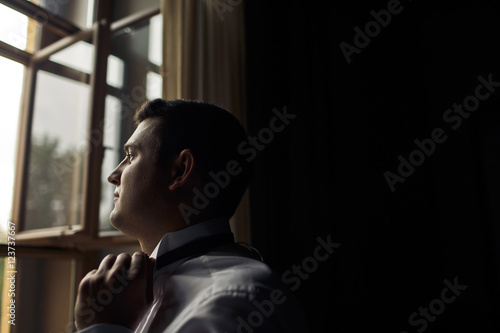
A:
[86,235]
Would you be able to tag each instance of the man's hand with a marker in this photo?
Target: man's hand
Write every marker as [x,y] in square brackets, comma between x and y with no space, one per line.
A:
[119,292]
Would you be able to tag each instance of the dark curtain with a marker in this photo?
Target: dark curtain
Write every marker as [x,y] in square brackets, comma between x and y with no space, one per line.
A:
[421,255]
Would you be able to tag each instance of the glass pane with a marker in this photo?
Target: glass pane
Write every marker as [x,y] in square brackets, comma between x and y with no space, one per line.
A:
[11,82]
[6,298]
[114,76]
[156,39]
[112,157]
[79,56]
[153,85]
[43,294]
[140,45]
[17,29]
[58,144]
[128,7]
[78,12]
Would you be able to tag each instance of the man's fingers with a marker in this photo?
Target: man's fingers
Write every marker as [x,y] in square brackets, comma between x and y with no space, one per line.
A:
[107,263]
[137,266]
[85,283]
[120,267]
[122,262]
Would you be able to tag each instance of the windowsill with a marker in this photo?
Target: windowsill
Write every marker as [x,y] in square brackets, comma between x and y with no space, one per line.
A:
[75,238]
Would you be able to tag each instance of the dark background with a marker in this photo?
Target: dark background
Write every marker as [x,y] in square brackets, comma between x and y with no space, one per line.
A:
[324,175]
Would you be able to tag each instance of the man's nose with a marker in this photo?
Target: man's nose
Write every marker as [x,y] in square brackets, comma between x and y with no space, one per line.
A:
[115,176]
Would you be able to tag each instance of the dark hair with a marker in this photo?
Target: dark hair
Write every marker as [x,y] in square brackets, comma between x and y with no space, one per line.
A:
[211,133]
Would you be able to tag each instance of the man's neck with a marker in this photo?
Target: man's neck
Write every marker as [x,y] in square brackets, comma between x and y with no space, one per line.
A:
[148,245]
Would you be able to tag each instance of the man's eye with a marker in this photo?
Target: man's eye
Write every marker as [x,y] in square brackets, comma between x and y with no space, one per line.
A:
[129,156]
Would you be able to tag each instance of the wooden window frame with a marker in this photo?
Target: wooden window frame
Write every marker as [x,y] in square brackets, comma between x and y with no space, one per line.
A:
[86,235]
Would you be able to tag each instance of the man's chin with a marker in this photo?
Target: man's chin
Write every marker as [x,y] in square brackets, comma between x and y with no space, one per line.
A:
[115,220]
[119,223]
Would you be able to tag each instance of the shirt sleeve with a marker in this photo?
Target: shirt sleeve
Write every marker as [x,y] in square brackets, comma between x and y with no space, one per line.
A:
[106,328]
[225,313]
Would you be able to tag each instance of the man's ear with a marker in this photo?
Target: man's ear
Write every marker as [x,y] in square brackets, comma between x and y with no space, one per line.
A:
[182,169]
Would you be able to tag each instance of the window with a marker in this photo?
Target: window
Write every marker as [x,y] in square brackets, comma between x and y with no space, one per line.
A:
[17,29]
[11,82]
[69,88]
[57,152]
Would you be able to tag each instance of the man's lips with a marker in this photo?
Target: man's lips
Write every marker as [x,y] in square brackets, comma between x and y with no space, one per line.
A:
[117,195]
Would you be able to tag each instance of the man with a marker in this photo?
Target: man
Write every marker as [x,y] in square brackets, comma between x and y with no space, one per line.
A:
[181,179]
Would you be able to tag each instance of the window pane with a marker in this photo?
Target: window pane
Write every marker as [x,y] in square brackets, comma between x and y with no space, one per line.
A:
[58,145]
[17,29]
[11,82]
[155,39]
[78,12]
[79,56]
[43,295]
[114,76]
[6,298]
[153,85]
[141,45]
[129,7]
[112,157]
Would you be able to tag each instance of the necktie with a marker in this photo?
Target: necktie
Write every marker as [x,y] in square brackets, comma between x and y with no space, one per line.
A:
[194,248]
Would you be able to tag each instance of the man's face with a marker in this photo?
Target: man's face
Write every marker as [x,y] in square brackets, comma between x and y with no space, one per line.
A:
[141,188]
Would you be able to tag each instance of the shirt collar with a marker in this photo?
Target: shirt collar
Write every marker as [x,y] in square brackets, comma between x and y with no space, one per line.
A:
[175,239]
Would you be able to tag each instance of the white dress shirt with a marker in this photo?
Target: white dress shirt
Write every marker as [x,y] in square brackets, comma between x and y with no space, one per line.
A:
[223,290]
